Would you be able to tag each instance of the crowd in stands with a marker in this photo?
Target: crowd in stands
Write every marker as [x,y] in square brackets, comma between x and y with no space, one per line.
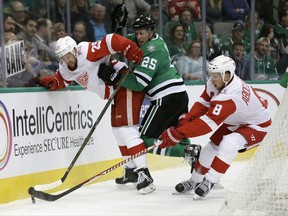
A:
[41,23]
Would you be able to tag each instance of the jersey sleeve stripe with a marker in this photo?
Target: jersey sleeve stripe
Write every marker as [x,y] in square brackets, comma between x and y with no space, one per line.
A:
[209,122]
[204,102]
[143,76]
[141,81]
[109,43]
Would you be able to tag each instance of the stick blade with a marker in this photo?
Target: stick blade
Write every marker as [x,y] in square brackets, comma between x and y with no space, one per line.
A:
[42,195]
[50,186]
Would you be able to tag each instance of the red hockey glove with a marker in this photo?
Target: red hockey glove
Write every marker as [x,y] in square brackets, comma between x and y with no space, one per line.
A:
[133,53]
[183,119]
[52,82]
[170,137]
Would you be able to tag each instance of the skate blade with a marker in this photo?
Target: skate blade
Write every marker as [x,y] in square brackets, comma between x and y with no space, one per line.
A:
[197,197]
[149,189]
[128,186]
[218,186]
[182,193]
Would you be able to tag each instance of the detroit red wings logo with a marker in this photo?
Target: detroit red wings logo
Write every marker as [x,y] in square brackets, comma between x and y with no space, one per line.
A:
[83,79]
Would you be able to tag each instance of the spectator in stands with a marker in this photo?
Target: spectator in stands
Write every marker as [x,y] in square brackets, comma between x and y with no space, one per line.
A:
[266,10]
[80,11]
[264,64]
[40,9]
[154,14]
[241,62]
[212,48]
[33,66]
[57,12]
[165,8]
[35,49]
[247,28]
[28,35]
[42,39]
[135,8]
[59,32]
[190,66]
[44,31]
[79,32]
[19,14]
[97,21]
[237,36]
[281,29]
[177,6]
[109,5]
[283,5]
[282,65]
[8,23]
[21,78]
[176,43]
[235,9]
[213,11]
[186,20]
[276,44]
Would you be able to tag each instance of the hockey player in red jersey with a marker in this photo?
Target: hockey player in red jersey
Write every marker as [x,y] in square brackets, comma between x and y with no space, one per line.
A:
[239,115]
[83,64]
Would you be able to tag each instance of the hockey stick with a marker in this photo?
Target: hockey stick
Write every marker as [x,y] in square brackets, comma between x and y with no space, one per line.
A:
[52,197]
[60,181]
[119,20]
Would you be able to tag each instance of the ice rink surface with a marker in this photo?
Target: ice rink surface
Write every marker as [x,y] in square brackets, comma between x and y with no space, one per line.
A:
[104,198]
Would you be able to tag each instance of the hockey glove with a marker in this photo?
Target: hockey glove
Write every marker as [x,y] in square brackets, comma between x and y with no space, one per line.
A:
[170,137]
[52,83]
[183,119]
[133,53]
[108,74]
[119,17]
[35,81]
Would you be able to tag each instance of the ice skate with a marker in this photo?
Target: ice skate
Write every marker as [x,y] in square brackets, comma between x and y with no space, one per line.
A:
[204,188]
[186,186]
[145,181]
[128,180]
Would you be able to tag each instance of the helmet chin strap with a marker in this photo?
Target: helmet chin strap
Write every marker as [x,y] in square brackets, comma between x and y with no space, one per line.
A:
[74,52]
[151,32]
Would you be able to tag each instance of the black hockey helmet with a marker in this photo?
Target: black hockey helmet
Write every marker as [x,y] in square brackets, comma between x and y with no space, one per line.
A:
[144,22]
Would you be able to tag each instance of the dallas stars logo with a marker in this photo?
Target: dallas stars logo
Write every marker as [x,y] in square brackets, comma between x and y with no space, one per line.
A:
[151,48]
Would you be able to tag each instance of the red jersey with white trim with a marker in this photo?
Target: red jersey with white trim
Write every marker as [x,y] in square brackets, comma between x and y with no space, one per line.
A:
[237,105]
[89,57]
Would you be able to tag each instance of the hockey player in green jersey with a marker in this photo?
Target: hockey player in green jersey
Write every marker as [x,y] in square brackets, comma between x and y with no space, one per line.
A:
[284,80]
[163,86]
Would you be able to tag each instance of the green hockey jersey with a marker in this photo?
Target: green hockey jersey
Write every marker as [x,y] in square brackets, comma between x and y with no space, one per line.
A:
[156,75]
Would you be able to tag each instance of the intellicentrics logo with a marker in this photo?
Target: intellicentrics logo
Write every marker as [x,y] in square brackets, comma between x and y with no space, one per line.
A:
[5,136]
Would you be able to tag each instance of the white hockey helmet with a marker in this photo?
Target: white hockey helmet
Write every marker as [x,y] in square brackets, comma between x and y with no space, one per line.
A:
[65,45]
[221,64]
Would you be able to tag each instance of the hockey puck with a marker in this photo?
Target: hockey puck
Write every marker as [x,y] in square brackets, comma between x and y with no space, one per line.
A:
[33,199]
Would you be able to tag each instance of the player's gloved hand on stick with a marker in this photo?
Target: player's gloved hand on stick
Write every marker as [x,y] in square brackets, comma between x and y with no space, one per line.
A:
[52,82]
[170,137]
[108,74]
[183,119]
[35,81]
[119,17]
[133,53]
